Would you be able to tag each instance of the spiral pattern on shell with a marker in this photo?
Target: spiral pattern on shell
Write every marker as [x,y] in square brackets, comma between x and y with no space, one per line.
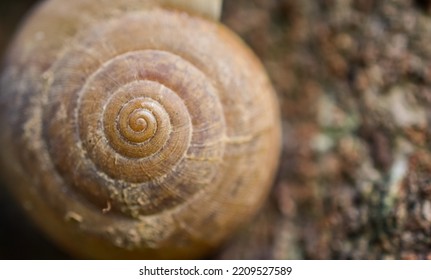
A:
[142,125]
[162,138]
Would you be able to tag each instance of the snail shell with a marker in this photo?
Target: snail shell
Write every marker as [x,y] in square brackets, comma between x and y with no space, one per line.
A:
[134,130]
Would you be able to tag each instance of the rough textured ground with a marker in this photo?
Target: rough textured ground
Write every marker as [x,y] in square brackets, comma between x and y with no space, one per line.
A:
[353,79]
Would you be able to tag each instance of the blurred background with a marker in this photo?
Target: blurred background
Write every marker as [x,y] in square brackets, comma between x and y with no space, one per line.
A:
[353,80]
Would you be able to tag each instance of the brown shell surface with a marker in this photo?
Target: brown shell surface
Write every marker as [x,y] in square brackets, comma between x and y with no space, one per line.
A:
[131,130]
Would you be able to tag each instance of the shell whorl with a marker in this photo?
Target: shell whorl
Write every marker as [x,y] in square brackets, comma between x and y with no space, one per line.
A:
[138,121]
[147,137]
